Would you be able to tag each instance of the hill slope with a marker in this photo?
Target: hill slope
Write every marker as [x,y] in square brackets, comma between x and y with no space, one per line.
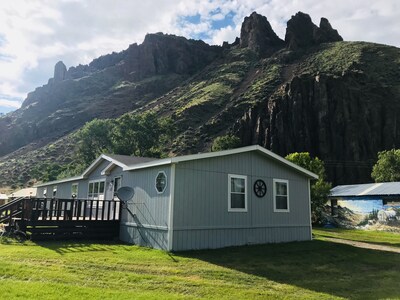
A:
[312,92]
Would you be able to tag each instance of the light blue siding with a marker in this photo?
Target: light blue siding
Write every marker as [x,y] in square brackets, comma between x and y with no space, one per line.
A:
[146,219]
[201,203]
[219,238]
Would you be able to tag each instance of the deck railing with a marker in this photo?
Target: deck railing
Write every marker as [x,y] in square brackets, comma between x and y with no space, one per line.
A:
[11,210]
[72,210]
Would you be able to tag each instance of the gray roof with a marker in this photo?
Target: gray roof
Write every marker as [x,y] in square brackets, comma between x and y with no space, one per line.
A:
[130,160]
[369,189]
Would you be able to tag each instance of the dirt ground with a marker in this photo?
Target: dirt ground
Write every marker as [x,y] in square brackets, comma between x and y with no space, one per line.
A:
[364,245]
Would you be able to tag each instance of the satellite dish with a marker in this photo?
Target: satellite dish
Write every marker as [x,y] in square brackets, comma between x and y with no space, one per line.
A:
[125,193]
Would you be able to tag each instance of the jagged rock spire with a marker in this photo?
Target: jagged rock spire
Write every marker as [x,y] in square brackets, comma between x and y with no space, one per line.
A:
[258,35]
[60,71]
[301,32]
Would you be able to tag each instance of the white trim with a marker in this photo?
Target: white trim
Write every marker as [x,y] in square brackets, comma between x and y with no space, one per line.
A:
[230,209]
[309,206]
[107,170]
[97,162]
[94,181]
[275,180]
[166,182]
[133,224]
[171,210]
[77,189]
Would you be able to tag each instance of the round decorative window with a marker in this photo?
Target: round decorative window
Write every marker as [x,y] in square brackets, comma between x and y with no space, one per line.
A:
[260,188]
[161,182]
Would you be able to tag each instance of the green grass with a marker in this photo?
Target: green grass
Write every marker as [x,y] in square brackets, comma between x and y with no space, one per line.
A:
[300,270]
[374,237]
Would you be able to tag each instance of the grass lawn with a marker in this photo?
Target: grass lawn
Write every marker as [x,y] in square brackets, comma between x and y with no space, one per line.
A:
[301,270]
[374,237]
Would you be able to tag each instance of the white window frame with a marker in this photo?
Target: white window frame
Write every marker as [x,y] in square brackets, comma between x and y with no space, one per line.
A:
[104,192]
[45,193]
[230,209]
[77,189]
[287,189]
[166,182]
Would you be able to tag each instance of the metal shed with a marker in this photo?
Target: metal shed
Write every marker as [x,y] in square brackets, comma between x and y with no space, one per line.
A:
[235,197]
[385,191]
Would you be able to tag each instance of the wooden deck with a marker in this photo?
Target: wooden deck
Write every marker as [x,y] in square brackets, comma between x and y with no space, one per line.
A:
[65,218]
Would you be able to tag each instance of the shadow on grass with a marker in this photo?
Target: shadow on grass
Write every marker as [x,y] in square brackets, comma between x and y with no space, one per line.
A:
[321,266]
[76,246]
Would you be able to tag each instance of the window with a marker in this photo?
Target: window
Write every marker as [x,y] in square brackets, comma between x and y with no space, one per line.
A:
[74,190]
[96,190]
[54,191]
[281,195]
[237,193]
[45,193]
[161,182]
[117,185]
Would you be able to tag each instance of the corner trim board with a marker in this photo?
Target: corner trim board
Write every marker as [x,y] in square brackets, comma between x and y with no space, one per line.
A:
[171,209]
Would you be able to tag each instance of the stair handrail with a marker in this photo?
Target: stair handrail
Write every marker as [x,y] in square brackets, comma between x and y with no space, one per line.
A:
[11,209]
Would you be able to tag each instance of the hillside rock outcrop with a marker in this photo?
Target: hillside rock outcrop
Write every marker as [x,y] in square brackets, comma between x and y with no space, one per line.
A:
[338,119]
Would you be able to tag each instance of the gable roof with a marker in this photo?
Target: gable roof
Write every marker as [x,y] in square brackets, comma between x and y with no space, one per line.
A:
[255,148]
[129,163]
[368,189]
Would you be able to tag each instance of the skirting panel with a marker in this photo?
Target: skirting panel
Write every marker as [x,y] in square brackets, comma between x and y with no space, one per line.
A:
[219,238]
[147,237]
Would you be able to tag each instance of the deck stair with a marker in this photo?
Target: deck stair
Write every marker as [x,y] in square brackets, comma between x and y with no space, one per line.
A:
[63,218]
[12,210]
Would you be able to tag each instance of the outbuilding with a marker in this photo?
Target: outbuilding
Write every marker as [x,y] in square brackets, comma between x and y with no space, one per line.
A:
[3,199]
[234,197]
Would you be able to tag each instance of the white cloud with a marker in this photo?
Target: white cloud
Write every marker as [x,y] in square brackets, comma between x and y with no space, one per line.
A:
[34,35]
[10,103]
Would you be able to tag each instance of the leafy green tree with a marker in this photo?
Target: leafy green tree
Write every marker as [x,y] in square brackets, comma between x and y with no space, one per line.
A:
[387,168]
[320,189]
[225,142]
[141,135]
[93,139]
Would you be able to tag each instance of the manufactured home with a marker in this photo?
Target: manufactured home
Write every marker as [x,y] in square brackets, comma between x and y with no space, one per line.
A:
[234,197]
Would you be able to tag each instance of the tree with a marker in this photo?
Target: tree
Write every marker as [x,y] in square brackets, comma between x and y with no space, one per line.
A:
[387,168]
[94,139]
[320,189]
[225,142]
[141,135]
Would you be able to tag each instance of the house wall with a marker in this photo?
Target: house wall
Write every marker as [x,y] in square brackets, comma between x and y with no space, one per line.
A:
[201,217]
[145,220]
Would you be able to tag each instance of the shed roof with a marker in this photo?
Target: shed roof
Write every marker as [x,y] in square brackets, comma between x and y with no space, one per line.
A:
[26,192]
[129,163]
[368,189]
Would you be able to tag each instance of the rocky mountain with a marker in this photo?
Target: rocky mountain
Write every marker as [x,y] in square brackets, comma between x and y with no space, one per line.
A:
[309,92]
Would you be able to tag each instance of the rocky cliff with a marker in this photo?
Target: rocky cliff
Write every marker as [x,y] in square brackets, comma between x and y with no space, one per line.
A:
[309,92]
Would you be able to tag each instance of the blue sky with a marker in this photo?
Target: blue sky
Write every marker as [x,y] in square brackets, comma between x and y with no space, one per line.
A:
[34,35]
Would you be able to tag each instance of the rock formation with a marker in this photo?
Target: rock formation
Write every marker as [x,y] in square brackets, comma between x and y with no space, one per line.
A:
[258,35]
[338,101]
[301,32]
[60,72]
